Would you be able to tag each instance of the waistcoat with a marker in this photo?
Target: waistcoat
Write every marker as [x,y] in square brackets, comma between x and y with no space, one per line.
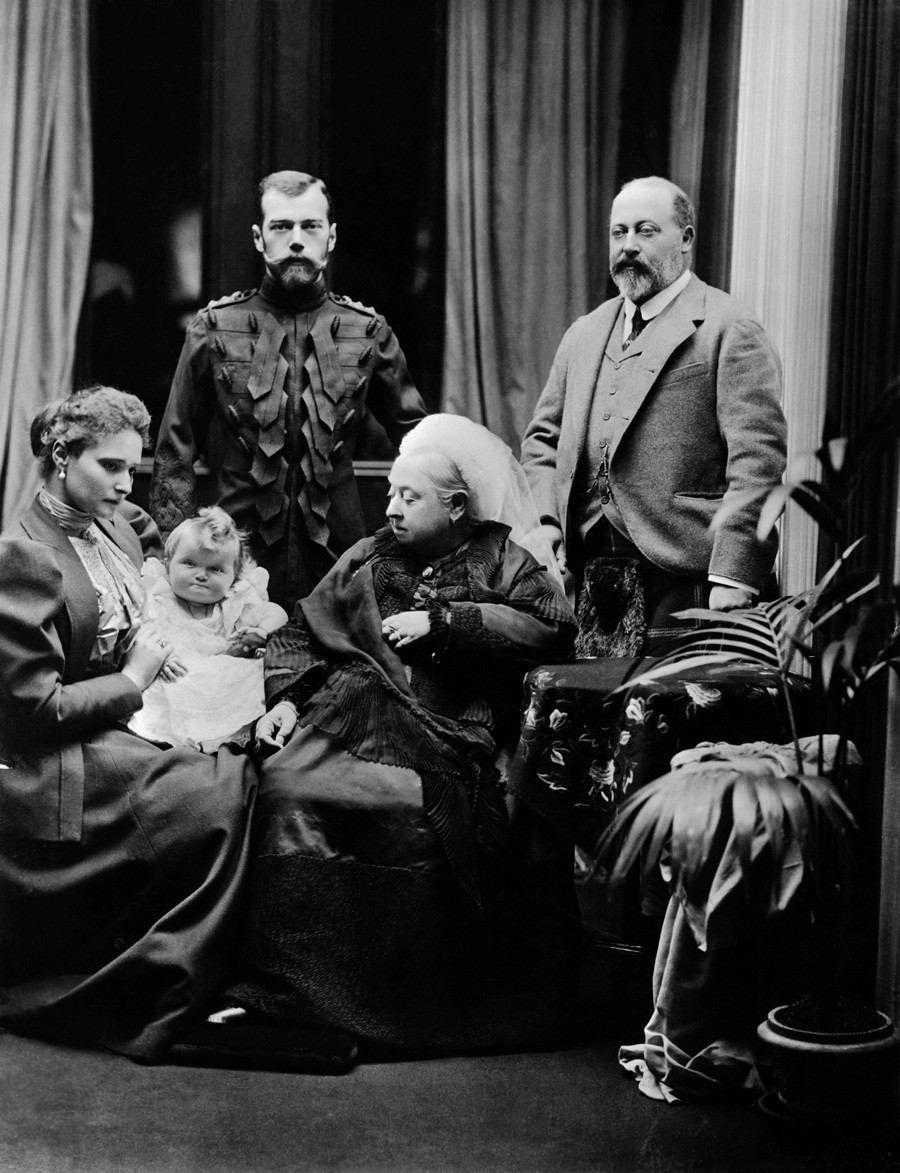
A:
[617,395]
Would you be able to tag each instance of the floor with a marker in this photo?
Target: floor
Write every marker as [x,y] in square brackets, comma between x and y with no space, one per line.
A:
[68,1111]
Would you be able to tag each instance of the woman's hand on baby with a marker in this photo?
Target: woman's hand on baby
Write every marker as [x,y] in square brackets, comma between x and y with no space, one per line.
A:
[173,669]
[247,642]
[405,628]
[143,660]
[275,727]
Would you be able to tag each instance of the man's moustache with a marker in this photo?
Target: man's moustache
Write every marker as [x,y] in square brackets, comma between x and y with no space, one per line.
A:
[629,267]
[287,263]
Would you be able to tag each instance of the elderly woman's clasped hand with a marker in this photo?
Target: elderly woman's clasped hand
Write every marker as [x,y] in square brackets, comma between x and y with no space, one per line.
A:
[406,627]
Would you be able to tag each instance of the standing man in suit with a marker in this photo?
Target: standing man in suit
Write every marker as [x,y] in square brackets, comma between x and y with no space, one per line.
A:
[661,403]
[273,387]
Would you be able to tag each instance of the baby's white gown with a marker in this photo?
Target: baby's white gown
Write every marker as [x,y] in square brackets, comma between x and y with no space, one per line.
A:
[220,693]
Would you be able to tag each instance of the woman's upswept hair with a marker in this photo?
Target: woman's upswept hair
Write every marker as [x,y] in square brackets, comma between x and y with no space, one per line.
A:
[83,418]
[213,528]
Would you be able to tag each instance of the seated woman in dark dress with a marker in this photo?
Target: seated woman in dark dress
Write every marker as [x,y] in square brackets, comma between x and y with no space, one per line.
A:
[392,897]
[120,862]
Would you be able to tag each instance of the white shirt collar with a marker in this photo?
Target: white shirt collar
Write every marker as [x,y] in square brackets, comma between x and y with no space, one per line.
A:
[657,303]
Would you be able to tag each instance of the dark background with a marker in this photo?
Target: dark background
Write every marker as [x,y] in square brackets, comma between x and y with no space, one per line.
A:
[184,121]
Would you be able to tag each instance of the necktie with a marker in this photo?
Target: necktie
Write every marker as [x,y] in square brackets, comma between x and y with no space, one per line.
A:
[637,324]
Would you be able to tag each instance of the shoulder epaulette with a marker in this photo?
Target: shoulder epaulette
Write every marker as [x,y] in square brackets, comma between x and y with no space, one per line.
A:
[209,314]
[342,299]
[231,298]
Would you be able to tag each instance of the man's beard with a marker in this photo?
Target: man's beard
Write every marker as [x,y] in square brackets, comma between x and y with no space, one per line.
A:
[294,276]
[639,280]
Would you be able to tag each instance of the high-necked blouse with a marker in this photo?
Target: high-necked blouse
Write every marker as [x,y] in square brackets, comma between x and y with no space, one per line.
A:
[120,595]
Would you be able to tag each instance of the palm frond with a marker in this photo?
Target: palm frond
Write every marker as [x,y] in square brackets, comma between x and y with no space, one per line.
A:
[640,829]
[828,801]
[812,497]
[744,811]
[696,822]
[879,430]
[760,634]
[833,455]
[711,814]
[771,511]
[831,662]
[737,502]
[675,663]
[843,596]
[823,493]
[771,805]
[865,648]
[872,672]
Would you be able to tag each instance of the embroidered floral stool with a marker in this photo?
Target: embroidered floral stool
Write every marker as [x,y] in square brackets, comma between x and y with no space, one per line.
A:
[584,748]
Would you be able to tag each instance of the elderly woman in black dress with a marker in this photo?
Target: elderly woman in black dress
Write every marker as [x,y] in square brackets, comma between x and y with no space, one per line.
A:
[120,861]
[393,900]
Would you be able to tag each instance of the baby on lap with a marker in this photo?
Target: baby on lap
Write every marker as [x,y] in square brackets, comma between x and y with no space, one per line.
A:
[209,600]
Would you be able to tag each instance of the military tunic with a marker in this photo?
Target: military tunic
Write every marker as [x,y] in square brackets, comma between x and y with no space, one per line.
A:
[273,389]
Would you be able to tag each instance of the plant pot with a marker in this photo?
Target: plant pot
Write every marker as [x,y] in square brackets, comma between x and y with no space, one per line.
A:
[832,1077]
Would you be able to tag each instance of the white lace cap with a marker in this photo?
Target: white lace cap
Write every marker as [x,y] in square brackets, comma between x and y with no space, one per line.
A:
[498,489]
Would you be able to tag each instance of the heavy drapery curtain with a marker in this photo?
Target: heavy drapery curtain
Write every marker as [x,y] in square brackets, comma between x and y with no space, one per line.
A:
[531,115]
[550,108]
[865,355]
[266,65]
[703,127]
[45,209]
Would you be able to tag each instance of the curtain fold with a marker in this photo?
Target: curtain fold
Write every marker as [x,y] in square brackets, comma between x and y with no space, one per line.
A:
[703,129]
[45,210]
[865,355]
[532,96]
[686,140]
[550,108]
[267,69]
[865,350]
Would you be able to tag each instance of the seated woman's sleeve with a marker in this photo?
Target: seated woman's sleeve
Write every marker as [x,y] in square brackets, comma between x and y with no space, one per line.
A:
[530,622]
[293,669]
[35,703]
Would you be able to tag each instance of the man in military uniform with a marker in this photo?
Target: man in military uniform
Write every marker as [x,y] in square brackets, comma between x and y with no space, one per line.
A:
[273,387]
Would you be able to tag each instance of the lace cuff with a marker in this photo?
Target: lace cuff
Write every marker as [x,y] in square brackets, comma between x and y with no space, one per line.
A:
[439,619]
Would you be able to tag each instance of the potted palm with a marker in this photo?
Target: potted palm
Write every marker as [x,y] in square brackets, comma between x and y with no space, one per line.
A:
[760,830]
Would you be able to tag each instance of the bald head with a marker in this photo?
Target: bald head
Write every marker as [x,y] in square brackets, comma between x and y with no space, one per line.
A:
[682,207]
[651,235]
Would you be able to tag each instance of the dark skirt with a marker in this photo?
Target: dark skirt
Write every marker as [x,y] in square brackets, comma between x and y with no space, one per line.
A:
[357,922]
[114,941]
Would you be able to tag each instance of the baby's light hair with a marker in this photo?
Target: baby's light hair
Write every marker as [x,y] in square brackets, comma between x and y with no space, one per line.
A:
[213,528]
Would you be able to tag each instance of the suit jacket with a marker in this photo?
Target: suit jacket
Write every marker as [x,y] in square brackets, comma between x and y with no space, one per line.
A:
[48,625]
[708,425]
